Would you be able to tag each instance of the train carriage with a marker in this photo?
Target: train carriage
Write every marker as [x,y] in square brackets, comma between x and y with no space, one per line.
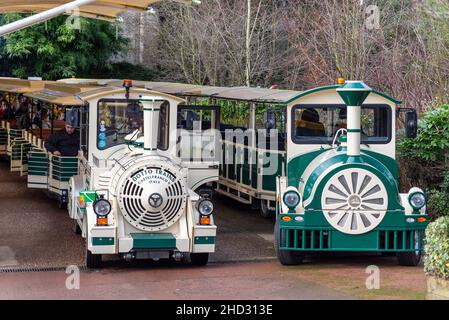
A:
[328,169]
[10,134]
[133,192]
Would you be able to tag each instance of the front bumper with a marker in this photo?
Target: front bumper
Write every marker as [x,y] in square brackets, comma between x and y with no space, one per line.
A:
[312,233]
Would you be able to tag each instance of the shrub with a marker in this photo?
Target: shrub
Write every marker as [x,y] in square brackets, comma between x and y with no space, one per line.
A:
[437,204]
[424,160]
[436,262]
[432,141]
[438,200]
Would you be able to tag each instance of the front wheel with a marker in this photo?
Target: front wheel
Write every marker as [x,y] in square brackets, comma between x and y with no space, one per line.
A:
[93,261]
[286,257]
[410,259]
[199,259]
[76,228]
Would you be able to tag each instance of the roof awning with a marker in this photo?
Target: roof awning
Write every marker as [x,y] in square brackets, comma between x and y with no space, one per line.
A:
[12,85]
[100,9]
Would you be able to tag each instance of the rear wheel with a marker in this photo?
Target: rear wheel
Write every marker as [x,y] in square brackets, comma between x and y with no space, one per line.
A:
[264,209]
[93,261]
[286,257]
[62,204]
[199,259]
[413,258]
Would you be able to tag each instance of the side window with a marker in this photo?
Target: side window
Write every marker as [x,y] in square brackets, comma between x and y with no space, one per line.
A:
[373,124]
[197,137]
[84,130]
[318,124]
[164,126]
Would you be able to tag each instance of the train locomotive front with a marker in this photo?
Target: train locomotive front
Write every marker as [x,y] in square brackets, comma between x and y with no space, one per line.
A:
[137,201]
[347,199]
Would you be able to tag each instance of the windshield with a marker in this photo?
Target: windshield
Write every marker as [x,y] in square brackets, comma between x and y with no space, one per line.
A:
[318,124]
[117,119]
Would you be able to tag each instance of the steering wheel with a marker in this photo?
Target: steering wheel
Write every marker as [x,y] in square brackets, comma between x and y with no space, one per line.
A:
[337,134]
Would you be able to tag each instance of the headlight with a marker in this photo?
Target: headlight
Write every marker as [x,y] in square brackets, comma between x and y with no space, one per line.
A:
[291,199]
[205,207]
[102,207]
[417,200]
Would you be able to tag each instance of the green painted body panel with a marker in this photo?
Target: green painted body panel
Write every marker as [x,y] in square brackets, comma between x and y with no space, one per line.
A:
[204,240]
[246,167]
[3,136]
[153,241]
[269,180]
[254,169]
[394,227]
[102,241]
[37,163]
[224,167]
[341,241]
[387,161]
[383,167]
[64,168]
[26,147]
[238,163]
[297,166]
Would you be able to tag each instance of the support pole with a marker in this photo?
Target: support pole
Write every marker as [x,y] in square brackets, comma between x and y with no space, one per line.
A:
[42,16]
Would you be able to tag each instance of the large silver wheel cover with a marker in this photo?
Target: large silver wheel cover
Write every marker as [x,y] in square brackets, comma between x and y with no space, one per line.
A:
[354,201]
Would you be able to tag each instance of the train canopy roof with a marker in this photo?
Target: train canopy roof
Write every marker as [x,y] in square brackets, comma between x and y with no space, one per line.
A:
[249,94]
[14,85]
[61,94]
[69,94]
[100,9]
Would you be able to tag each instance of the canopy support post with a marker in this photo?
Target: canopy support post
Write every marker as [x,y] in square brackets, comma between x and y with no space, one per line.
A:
[42,16]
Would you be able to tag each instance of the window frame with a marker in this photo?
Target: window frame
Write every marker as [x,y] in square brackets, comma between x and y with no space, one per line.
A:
[130,101]
[323,140]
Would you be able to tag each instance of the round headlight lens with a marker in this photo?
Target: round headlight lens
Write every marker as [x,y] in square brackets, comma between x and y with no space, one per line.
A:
[417,200]
[291,199]
[205,207]
[102,207]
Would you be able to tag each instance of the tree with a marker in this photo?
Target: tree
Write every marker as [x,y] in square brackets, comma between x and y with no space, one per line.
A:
[54,50]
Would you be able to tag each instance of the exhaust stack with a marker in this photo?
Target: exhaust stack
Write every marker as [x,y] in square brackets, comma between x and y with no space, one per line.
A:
[151,109]
[354,94]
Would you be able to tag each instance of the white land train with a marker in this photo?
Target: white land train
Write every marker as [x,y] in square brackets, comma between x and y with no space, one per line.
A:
[131,198]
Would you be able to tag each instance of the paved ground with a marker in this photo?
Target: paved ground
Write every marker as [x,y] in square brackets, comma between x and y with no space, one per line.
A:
[35,233]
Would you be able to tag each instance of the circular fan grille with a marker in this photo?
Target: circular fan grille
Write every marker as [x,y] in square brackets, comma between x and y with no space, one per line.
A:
[152,198]
[354,201]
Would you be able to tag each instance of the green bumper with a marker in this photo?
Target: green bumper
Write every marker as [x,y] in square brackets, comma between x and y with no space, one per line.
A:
[314,233]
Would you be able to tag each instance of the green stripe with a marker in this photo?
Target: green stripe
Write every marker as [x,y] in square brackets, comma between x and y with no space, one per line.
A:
[354,130]
[102,241]
[153,241]
[205,240]
[151,109]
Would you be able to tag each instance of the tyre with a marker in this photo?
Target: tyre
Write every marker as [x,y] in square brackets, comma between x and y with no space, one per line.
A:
[264,209]
[410,259]
[93,261]
[286,257]
[62,204]
[199,259]
[76,228]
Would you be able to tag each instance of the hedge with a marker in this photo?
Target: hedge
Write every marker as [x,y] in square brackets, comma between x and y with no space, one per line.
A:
[436,261]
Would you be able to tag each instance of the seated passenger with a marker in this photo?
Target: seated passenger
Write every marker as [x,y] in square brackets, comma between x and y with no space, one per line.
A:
[65,142]
[309,124]
[6,110]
